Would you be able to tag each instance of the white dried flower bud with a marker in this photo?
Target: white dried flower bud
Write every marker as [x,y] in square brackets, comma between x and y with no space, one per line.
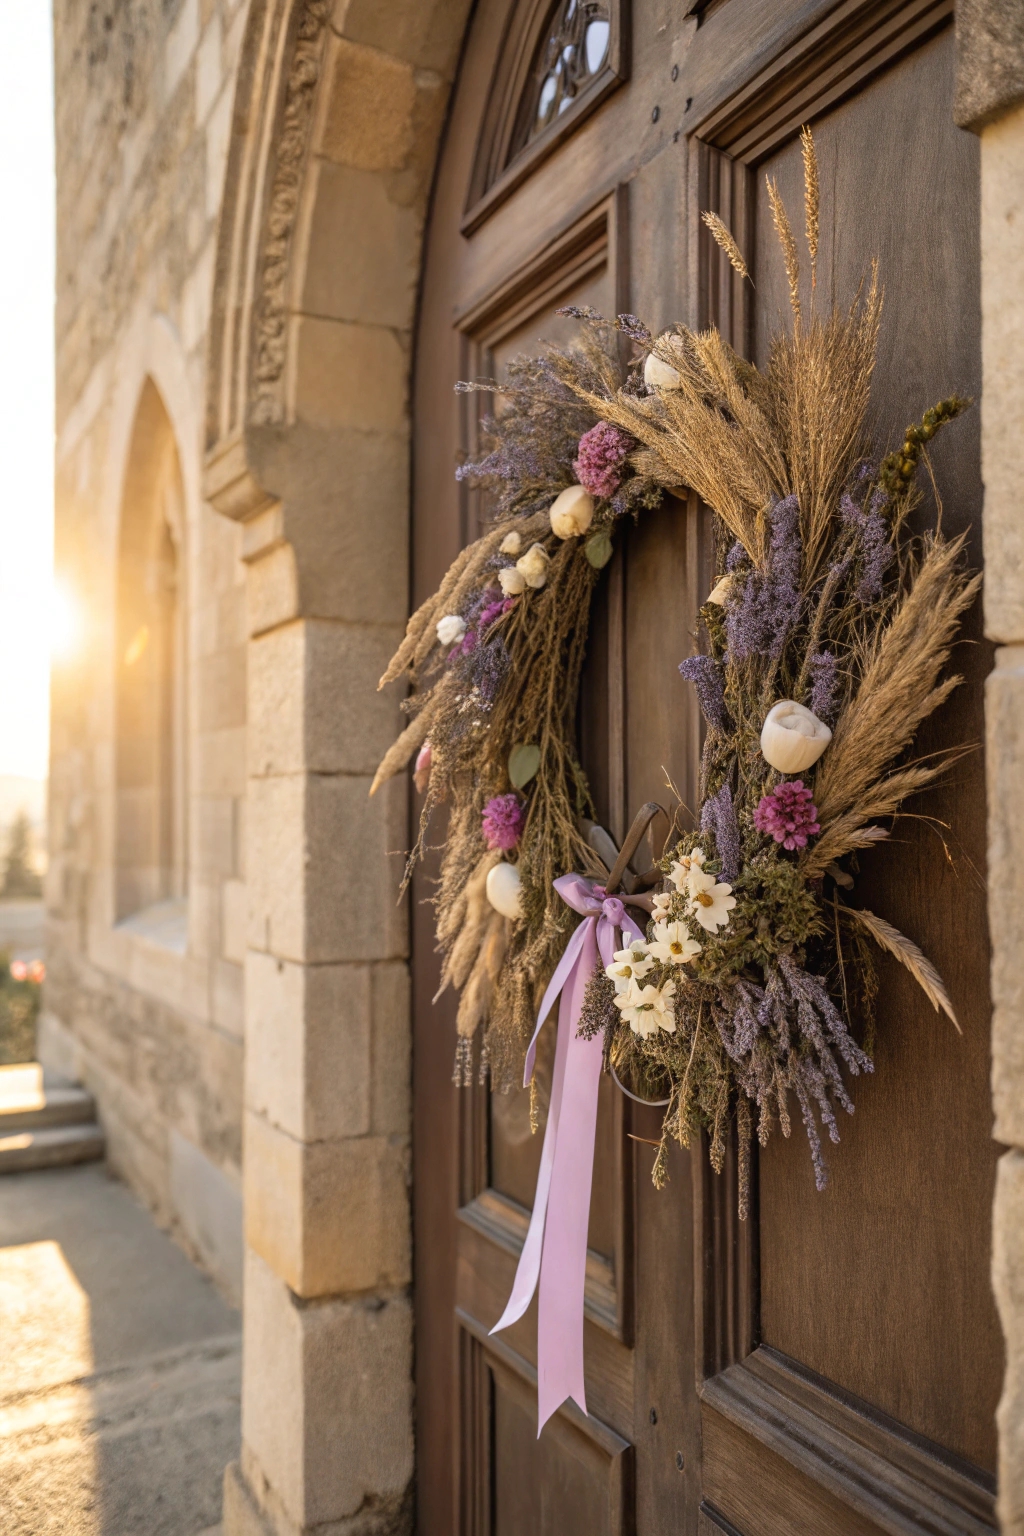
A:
[720,591]
[512,581]
[505,890]
[572,512]
[792,738]
[451,629]
[512,543]
[659,374]
[534,565]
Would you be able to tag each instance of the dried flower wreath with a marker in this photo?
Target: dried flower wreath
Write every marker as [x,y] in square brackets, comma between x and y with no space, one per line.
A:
[827,636]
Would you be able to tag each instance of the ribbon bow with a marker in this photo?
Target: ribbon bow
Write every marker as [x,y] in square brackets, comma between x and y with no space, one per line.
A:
[555,1251]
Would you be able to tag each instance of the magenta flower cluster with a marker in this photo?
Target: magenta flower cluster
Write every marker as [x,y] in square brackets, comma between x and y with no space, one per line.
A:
[788,814]
[601,455]
[503,821]
[489,607]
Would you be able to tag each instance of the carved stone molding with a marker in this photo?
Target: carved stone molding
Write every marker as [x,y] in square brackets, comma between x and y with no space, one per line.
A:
[303,72]
[281,62]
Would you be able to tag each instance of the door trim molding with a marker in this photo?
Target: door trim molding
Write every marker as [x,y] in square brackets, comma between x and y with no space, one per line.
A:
[894,1477]
[494,177]
[834,59]
[570,1427]
[505,1222]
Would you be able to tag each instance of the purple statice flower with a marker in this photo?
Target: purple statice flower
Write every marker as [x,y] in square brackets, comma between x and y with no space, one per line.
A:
[490,605]
[737,556]
[758,622]
[788,814]
[489,668]
[602,453]
[719,816]
[824,682]
[873,537]
[502,823]
[706,676]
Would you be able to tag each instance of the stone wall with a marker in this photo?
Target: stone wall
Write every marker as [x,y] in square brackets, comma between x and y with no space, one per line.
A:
[308,420]
[147,1011]
[990,100]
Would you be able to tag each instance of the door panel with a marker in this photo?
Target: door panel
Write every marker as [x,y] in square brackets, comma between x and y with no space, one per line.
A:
[831,1364]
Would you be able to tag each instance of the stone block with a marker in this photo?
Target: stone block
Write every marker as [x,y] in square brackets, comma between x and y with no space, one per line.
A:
[204,919]
[313,699]
[227,997]
[241,1517]
[220,689]
[1002,342]
[309,1048]
[370,106]
[391,1014]
[1004,724]
[328,1216]
[348,374]
[209,1206]
[218,140]
[273,589]
[990,60]
[363,257]
[277,701]
[219,762]
[180,45]
[234,918]
[196,296]
[1008,1285]
[327,1405]
[277,864]
[357,849]
[346,516]
[208,69]
[427,35]
[212,835]
[325,864]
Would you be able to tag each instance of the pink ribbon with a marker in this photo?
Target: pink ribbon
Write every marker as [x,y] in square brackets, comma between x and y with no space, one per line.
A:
[555,1251]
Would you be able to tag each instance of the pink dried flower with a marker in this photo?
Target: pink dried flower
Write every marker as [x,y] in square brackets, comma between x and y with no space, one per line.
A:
[601,454]
[503,821]
[421,772]
[788,814]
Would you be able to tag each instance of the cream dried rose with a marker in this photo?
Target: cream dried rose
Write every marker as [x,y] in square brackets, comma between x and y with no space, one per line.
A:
[534,565]
[512,581]
[451,629]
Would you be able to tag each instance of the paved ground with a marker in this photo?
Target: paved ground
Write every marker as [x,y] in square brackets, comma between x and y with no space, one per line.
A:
[119,1367]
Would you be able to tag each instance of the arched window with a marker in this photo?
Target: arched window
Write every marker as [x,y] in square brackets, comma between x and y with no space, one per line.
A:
[151,806]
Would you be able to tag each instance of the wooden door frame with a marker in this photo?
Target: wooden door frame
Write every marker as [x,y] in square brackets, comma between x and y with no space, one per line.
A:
[591,236]
[808,1428]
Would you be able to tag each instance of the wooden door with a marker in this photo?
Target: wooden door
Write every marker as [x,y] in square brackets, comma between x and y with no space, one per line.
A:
[832,1364]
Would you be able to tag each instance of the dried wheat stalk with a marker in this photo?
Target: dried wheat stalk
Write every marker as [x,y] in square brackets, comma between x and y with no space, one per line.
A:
[907,953]
[725,240]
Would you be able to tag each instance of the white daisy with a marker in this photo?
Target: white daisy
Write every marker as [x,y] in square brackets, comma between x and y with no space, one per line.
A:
[648,1009]
[629,965]
[673,944]
[690,863]
[711,901]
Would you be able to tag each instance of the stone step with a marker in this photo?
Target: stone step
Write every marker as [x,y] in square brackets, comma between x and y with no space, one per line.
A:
[51,1147]
[54,1106]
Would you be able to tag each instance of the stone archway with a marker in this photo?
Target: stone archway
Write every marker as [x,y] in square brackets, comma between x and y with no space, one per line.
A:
[337,119]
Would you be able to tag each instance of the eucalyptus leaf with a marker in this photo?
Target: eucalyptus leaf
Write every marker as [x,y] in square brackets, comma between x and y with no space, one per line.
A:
[598,549]
[523,762]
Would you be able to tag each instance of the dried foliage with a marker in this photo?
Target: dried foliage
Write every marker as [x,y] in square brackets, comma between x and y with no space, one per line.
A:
[826,599]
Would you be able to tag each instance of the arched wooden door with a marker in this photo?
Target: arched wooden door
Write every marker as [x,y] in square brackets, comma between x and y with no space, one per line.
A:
[833,1364]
